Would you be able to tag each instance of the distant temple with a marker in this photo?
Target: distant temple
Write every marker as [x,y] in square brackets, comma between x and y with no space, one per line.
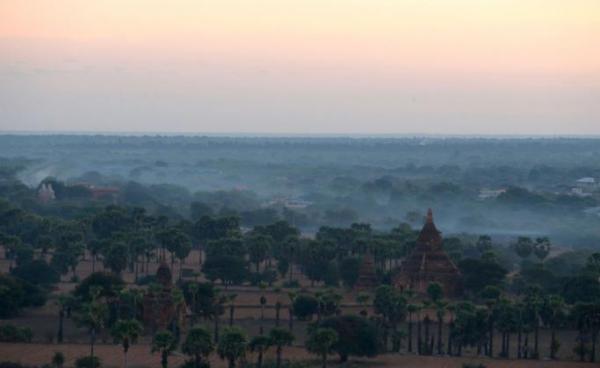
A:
[367,277]
[46,193]
[160,308]
[429,263]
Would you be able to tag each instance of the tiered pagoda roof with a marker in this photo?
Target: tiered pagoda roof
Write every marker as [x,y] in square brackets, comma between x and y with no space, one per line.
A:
[429,263]
[367,276]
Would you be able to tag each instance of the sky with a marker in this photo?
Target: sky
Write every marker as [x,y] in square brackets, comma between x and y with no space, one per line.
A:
[301,67]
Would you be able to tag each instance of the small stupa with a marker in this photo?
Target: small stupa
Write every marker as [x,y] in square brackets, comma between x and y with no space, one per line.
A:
[160,310]
[367,277]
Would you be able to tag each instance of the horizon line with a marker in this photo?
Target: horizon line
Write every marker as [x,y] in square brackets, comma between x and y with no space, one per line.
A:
[257,134]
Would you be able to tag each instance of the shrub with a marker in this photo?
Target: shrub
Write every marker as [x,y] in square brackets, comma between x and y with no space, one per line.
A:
[16,294]
[305,306]
[357,336]
[146,280]
[11,365]
[473,365]
[88,362]
[10,333]
[37,272]
[294,284]
[108,283]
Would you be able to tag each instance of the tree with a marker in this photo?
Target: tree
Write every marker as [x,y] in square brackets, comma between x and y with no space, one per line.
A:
[232,345]
[541,248]
[58,359]
[581,288]
[165,343]
[259,344]
[126,332]
[349,271]
[553,313]
[279,338]
[484,244]
[523,247]
[108,285]
[392,305]
[435,291]
[477,274]
[229,269]
[198,344]
[64,303]
[304,306]
[36,272]
[199,210]
[93,315]
[321,341]
[16,294]
[258,246]
[357,336]
[115,257]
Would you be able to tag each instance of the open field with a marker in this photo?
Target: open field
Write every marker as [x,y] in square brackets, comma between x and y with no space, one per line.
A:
[140,356]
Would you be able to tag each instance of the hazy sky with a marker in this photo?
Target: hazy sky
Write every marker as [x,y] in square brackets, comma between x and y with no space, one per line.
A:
[305,66]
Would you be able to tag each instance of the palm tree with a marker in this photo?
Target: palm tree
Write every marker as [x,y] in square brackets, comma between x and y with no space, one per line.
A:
[292,296]
[259,344]
[263,301]
[93,315]
[164,342]
[553,314]
[230,300]
[412,309]
[280,338]
[419,308]
[440,312]
[321,341]
[193,289]
[64,302]
[232,345]
[198,344]
[533,303]
[126,332]
[218,300]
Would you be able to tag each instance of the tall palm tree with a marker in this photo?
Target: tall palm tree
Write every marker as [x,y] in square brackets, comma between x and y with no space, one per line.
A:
[232,345]
[263,302]
[259,344]
[64,302]
[440,312]
[198,344]
[292,296]
[553,313]
[280,338]
[164,343]
[412,309]
[231,300]
[93,316]
[193,289]
[126,332]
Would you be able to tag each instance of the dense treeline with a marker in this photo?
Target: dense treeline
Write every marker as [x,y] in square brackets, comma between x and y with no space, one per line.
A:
[261,180]
[543,292]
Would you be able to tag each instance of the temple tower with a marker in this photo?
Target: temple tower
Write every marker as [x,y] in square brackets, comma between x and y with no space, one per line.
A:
[429,263]
[367,277]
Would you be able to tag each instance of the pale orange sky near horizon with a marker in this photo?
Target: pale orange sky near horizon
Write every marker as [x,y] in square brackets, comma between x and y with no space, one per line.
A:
[379,66]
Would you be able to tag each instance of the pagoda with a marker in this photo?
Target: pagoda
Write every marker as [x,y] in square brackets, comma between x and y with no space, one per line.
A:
[161,309]
[429,263]
[367,277]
